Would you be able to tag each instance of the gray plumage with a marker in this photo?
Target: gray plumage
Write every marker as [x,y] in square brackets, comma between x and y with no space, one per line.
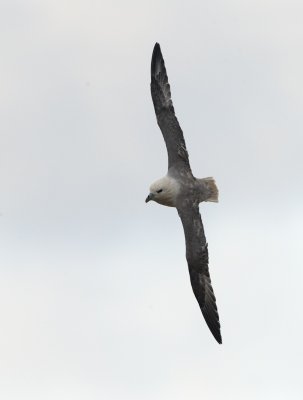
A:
[180,189]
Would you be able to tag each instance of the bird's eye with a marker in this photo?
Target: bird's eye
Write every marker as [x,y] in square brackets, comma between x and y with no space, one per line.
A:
[160,190]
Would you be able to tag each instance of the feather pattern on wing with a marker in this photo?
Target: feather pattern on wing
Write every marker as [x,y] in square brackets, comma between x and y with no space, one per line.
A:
[167,121]
[197,259]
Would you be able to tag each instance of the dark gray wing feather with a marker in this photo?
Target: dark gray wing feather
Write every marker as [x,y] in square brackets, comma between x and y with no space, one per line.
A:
[167,121]
[197,259]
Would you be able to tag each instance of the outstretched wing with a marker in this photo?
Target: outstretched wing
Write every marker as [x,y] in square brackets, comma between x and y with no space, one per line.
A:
[167,121]
[197,259]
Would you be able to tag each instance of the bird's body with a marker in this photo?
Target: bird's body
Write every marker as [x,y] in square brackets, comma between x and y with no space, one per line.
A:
[180,189]
[172,188]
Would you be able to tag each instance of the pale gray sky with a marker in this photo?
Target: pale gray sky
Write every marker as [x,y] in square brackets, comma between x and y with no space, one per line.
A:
[95,298]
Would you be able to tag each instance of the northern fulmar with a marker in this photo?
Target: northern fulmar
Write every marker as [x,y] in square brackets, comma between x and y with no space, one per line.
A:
[180,189]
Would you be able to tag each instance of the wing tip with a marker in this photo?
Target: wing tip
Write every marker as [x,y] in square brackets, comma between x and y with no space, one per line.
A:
[218,338]
[156,59]
[214,327]
[157,48]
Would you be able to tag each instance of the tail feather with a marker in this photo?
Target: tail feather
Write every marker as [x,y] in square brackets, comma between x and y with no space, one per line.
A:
[212,188]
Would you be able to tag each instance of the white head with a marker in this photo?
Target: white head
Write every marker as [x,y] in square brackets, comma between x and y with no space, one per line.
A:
[164,191]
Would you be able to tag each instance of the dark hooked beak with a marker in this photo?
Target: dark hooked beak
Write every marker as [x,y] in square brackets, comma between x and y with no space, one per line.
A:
[149,198]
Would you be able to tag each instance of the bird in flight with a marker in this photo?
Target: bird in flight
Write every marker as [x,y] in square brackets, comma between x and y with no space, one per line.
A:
[180,189]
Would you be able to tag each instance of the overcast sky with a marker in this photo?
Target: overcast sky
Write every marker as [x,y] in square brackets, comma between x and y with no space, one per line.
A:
[95,297]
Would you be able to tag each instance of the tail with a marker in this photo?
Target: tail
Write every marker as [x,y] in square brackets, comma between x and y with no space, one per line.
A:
[212,189]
